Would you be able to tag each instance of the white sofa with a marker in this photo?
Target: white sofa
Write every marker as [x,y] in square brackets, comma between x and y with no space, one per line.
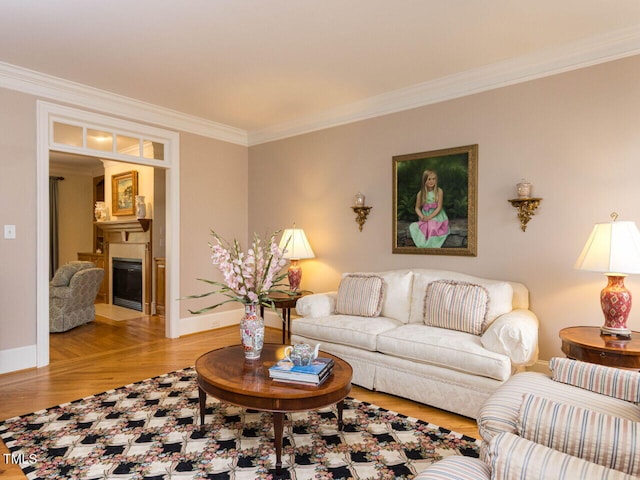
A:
[398,352]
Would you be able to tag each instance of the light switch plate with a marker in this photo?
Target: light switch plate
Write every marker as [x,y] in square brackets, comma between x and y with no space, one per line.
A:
[10,232]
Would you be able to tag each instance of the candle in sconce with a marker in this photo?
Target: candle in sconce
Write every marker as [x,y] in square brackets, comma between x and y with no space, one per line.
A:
[524,189]
[359,200]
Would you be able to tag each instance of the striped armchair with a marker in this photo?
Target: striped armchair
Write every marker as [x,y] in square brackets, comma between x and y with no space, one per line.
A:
[72,293]
[582,422]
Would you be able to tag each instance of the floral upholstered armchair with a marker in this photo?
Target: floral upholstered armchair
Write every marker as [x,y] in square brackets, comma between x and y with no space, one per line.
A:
[72,293]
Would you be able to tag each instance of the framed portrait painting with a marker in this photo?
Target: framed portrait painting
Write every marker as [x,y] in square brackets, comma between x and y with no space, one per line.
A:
[124,188]
[434,202]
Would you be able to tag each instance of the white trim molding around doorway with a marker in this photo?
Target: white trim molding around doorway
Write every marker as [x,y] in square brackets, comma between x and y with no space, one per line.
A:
[47,115]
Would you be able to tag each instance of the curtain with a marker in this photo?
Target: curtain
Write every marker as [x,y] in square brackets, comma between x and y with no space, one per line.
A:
[53,225]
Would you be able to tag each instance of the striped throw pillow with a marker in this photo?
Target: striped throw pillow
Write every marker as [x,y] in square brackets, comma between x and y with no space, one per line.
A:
[515,458]
[610,381]
[603,439]
[360,295]
[457,306]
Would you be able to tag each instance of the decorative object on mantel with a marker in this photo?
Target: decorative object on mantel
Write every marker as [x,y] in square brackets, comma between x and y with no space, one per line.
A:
[124,188]
[249,278]
[362,211]
[141,207]
[295,247]
[613,248]
[525,203]
[100,211]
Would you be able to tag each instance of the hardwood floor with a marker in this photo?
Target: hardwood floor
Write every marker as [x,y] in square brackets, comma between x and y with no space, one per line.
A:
[107,354]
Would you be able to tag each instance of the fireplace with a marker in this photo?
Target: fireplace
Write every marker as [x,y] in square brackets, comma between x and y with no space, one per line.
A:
[127,282]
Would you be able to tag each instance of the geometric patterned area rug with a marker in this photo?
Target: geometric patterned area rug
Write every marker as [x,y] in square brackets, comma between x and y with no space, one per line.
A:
[150,430]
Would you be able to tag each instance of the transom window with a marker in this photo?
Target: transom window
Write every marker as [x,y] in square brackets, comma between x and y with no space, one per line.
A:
[102,140]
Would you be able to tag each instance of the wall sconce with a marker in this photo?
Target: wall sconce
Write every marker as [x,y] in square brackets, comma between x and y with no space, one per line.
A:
[361,210]
[525,203]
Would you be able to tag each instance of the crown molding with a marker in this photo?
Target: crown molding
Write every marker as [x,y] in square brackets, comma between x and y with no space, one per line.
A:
[47,86]
[584,53]
[591,51]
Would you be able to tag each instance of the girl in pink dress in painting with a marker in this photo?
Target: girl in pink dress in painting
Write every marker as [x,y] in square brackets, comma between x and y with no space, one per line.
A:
[432,228]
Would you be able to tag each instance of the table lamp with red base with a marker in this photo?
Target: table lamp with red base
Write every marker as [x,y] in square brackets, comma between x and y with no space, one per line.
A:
[613,248]
[296,247]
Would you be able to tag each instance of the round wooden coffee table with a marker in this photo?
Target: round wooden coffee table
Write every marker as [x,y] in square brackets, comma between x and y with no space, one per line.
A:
[225,374]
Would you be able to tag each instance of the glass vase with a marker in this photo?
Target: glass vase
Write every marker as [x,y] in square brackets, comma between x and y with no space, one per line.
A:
[252,331]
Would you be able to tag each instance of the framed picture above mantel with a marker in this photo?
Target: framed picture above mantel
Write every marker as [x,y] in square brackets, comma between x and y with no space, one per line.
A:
[124,188]
[435,202]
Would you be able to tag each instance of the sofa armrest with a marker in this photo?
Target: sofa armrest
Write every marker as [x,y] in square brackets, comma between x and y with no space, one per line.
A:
[610,381]
[456,467]
[317,305]
[511,456]
[514,334]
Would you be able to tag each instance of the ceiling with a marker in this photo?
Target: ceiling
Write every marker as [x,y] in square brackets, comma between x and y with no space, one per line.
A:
[256,64]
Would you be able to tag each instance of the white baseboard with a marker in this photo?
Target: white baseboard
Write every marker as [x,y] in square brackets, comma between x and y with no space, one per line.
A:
[19,358]
[201,323]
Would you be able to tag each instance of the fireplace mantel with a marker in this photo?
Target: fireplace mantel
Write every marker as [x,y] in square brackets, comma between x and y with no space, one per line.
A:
[125,227]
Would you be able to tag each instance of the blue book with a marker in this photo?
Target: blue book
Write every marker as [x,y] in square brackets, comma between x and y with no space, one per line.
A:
[319,368]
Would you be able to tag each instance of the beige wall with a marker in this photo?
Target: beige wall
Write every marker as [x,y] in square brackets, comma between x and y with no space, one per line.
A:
[574,136]
[213,188]
[17,207]
[213,195]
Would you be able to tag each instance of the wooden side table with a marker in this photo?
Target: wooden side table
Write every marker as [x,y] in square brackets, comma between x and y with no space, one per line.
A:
[588,345]
[286,302]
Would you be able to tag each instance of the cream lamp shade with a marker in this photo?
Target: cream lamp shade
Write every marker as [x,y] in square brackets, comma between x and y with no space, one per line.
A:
[295,246]
[613,248]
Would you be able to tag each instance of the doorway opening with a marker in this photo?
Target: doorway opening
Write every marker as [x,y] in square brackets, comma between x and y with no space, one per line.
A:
[128,142]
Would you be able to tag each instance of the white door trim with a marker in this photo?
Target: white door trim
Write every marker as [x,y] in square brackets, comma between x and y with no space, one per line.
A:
[46,112]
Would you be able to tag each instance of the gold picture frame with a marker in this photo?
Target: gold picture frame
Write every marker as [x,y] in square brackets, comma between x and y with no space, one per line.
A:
[124,188]
[456,175]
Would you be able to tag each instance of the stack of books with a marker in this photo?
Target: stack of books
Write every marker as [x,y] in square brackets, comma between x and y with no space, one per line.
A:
[314,374]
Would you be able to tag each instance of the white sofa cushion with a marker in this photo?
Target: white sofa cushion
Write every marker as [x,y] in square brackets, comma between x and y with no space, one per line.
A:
[397,294]
[593,436]
[355,331]
[458,306]
[500,293]
[317,305]
[446,348]
[514,334]
[360,295]
[396,302]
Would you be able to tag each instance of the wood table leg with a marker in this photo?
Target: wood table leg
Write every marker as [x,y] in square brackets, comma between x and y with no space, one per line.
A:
[284,325]
[278,429]
[202,401]
[340,406]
